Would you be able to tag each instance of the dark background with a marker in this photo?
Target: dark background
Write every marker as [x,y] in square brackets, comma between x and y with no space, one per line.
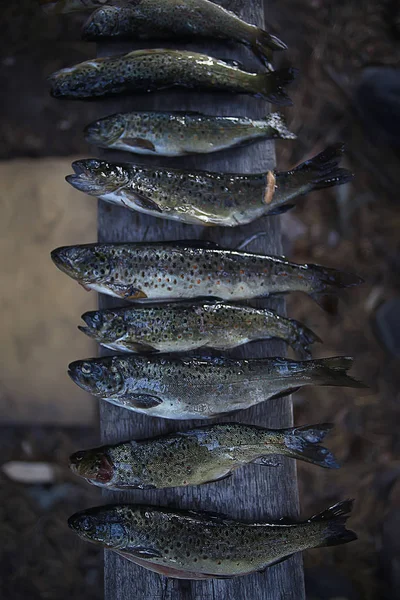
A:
[348,90]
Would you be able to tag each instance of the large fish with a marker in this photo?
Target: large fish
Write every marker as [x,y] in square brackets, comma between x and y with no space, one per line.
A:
[198,456]
[178,20]
[191,269]
[181,327]
[151,70]
[206,198]
[175,387]
[181,133]
[199,545]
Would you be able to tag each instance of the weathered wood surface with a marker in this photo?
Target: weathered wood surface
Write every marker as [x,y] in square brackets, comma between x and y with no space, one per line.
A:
[254,492]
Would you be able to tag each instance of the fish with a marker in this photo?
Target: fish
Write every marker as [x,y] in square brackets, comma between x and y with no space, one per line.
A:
[181,133]
[204,197]
[182,327]
[192,544]
[178,19]
[187,269]
[202,387]
[156,69]
[58,7]
[198,456]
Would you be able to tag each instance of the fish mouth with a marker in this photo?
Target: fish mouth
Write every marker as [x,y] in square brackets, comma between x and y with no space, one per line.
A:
[93,466]
[84,373]
[61,257]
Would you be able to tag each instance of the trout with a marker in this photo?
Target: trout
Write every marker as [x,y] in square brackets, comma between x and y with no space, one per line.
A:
[175,387]
[199,545]
[198,456]
[182,133]
[156,69]
[192,269]
[206,198]
[178,19]
[182,327]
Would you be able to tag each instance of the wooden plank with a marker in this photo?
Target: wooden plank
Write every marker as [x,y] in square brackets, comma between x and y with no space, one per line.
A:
[254,492]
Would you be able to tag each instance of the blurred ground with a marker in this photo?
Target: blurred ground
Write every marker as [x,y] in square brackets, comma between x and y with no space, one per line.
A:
[354,227]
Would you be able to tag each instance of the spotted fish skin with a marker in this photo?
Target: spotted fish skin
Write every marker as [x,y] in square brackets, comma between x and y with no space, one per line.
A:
[191,269]
[199,545]
[203,197]
[181,133]
[182,327]
[197,456]
[178,19]
[175,387]
[154,69]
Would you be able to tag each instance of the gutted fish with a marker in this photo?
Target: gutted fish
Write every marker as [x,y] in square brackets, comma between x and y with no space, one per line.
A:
[206,198]
[175,387]
[199,545]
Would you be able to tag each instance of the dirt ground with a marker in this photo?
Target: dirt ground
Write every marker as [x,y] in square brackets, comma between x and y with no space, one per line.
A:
[356,227]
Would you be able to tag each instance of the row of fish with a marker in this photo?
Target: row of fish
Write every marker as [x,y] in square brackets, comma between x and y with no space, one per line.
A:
[189,295]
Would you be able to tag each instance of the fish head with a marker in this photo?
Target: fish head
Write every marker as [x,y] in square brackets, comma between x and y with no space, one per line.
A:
[85,263]
[102,23]
[103,525]
[93,465]
[97,177]
[104,326]
[105,132]
[99,376]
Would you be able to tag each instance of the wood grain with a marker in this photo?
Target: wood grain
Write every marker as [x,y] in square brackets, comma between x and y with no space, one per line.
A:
[254,492]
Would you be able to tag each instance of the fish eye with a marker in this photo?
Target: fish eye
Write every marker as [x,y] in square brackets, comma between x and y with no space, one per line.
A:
[86,524]
[86,368]
[120,330]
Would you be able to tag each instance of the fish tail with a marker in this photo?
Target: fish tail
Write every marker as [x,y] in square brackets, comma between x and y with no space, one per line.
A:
[333,372]
[322,171]
[276,122]
[271,86]
[329,281]
[303,444]
[334,519]
[301,338]
[263,43]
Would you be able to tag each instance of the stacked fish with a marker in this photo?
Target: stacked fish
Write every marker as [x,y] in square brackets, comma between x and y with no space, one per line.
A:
[189,295]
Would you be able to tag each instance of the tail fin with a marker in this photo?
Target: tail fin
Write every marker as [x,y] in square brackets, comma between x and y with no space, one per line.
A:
[333,372]
[277,123]
[322,171]
[335,518]
[330,280]
[301,338]
[263,43]
[271,86]
[303,445]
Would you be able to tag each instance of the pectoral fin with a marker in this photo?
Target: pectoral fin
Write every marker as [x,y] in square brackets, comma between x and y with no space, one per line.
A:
[145,401]
[140,143]
[143,202]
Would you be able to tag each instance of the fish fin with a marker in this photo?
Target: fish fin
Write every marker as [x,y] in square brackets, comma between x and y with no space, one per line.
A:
[205,515]
[142,348]
[263,43]
[301,338]
[134,294]
[271,86]
[280,210]
[322,170]
[277,123]
[333,372]
[303,445]
[144,202]
[266,461]
[286,392]
[226,476]
[145,401]
[335,517]
[275,562]
[145,552]
[140,143]
[233,63]
[328,303]
[85,287]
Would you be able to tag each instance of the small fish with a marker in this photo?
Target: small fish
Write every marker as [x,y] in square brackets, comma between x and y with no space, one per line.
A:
[182,327]
[57,7]
[192,269]
[182,133]
[198,456]
[175,387]
[156,69]
[178,19]
[202,197]
[199,545]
